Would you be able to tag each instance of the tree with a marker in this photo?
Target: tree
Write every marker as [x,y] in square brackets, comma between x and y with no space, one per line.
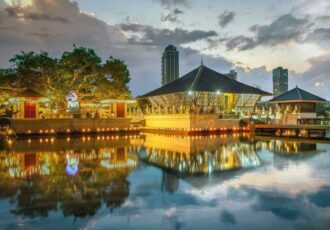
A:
[80,70]
[36,70]
[117,73]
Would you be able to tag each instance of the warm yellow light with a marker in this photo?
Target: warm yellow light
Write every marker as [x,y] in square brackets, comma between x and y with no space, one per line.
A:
[21,3]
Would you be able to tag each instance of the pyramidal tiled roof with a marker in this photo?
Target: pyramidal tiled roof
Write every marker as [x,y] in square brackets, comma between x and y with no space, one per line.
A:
[297,94]
[204,79]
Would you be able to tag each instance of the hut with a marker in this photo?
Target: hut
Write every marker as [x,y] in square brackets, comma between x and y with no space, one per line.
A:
[295,106]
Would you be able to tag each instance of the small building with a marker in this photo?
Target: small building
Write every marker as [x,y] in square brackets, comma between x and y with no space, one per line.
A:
[29,104]
[110,108]
[294,105]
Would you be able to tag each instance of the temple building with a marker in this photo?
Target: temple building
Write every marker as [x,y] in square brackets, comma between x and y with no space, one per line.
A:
[294,105]
[202,98]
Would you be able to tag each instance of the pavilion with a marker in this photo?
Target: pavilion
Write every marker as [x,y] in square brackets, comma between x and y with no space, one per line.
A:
[296,104]
[202,94]
[29,104]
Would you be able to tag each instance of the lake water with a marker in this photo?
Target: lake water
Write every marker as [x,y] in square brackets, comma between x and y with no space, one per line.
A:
[164,182]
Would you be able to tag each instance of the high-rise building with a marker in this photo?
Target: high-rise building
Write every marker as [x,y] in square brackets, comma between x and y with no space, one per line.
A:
[170,64]
[232,75]
[280,81]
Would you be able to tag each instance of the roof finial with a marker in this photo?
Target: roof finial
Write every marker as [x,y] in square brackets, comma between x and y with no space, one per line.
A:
[202,61]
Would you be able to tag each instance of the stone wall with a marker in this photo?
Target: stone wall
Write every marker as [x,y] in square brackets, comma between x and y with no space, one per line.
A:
[189,122]
[44,126]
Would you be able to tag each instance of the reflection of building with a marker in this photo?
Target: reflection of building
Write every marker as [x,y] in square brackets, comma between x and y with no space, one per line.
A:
[280,81]
[170,182]
[286,150]
[170,65]
[295,104]
[197,155]
[47,160]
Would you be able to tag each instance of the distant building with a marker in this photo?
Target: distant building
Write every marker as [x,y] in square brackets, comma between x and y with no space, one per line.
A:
[170,64]
[232,75]
[280,81]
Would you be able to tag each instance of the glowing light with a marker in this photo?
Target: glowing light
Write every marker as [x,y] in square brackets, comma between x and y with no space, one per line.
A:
[21,3]
[72,166]
[190,92]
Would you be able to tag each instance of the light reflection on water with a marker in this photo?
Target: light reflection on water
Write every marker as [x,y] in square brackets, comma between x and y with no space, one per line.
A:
[168,182]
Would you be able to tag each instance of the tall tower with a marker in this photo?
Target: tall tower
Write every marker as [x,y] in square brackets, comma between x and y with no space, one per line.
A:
[280,81]
[232,75]
[170,64]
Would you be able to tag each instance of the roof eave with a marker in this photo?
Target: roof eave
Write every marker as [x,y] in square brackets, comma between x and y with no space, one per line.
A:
[295,101]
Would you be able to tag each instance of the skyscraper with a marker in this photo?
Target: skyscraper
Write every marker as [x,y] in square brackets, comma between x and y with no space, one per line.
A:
[232,75]
[170,64]
[280,81]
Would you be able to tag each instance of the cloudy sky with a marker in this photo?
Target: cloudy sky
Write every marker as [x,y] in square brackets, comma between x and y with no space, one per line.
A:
[250,36]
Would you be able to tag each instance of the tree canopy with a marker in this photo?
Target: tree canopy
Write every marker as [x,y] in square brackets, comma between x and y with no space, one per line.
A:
[81,71]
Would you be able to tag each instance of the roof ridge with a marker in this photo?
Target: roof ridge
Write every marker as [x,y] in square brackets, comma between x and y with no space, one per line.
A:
[198,75]
[299,94]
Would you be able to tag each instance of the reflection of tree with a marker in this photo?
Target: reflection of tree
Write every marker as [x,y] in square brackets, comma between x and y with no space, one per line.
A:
[116,192]
[76,195]
[33,199]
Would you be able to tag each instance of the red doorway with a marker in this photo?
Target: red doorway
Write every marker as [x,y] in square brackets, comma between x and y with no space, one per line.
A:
[120,110]
[121,154]
[29,109]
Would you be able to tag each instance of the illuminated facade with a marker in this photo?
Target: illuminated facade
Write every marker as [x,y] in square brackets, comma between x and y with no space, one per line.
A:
[29,104]
[202,91]
[296,104]
[203,99]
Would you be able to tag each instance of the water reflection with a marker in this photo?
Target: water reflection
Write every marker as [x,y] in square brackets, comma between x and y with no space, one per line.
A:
[203,154]
[75,178]
[168,182]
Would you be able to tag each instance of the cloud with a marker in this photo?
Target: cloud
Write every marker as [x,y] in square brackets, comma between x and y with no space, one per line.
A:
[148,35]
[139,45]
[311,7]
[284,29]
[240,43]
[169,4]
[172,16]
[38,32]
[23,13]
[320,36]
[225,18]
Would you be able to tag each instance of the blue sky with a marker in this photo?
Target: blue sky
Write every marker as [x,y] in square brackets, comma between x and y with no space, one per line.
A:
[250,36]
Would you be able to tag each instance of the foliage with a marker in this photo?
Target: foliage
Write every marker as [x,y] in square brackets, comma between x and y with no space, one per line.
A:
[80,70]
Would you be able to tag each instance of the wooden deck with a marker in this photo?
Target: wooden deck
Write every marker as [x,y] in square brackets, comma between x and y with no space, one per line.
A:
[283,126]
[286,130]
